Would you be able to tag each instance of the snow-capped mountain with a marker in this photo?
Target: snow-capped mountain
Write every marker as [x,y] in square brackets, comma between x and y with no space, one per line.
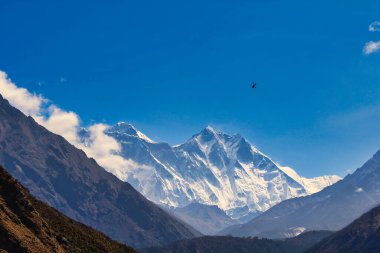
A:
[210,168]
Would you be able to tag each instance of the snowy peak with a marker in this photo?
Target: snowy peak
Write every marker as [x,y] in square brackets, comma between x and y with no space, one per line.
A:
[206,135]
[209,139]
[209,129]
[209,134]
[211,168]
[124,128]
[312,185]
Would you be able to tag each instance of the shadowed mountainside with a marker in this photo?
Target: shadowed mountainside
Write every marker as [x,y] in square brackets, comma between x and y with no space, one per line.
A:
[63,176]
[227,244]
[362,235]
[29,225]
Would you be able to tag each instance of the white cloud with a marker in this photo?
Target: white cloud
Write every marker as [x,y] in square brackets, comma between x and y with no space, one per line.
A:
[374,26]
[105,151]
[60,122]
[29,104]
[357,117]
[103,148]
[359,190]
[371,47]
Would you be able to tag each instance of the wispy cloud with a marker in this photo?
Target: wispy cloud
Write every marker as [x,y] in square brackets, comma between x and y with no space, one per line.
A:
[374,26]
[59,121]
[358,117]
[103,148]
[371,47]
[62,80]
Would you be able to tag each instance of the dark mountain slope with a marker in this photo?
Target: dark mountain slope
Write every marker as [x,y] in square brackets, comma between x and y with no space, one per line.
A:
[227,244]
[29,225]
[330,209]
[64,177]
[363,235]
[207,219]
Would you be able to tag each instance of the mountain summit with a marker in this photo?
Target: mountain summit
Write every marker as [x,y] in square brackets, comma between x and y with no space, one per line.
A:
[128,129]
[211,168]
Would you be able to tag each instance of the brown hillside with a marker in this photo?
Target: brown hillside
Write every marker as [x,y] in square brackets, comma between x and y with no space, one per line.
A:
[29,225]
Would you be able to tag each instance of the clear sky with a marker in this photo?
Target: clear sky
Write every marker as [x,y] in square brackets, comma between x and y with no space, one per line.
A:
[173,67]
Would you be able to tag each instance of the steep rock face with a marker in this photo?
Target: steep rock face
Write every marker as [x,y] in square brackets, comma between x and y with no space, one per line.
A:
[211,168]
[64,177]
[330,209]
[362,235]
[29,225]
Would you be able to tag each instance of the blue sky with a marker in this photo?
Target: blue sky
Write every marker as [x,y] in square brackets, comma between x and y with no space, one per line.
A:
[173,67]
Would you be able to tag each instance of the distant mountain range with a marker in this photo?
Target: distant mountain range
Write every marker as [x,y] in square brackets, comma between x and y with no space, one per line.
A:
[29,225]
[211,168]
[330,209]
[65,178]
